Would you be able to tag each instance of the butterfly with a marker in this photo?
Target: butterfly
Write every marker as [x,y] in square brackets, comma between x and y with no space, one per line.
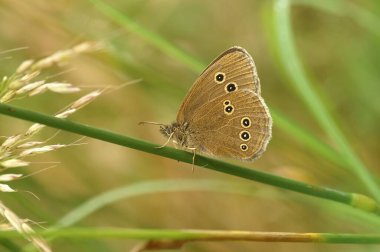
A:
[223,114]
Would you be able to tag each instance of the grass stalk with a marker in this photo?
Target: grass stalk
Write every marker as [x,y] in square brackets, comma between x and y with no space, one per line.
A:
[355,200]
[187,235]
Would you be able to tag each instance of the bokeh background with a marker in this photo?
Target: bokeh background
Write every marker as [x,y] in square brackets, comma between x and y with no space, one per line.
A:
[341,57]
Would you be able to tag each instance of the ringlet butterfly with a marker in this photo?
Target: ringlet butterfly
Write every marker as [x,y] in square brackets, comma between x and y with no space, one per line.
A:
[223,114]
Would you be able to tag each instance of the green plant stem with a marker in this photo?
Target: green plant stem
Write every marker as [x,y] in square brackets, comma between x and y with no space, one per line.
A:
[205,235]
[295,71]
[356,200]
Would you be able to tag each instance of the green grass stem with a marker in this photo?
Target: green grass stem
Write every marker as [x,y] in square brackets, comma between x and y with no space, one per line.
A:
[204,235]
[359,201]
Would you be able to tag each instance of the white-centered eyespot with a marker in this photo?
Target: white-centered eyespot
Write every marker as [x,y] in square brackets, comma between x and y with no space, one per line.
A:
[220,77]
[228,110]
[230,87]
[245,122]
[244,147]
[244,135]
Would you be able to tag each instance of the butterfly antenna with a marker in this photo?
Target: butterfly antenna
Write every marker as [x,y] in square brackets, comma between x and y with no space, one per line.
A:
[154,123]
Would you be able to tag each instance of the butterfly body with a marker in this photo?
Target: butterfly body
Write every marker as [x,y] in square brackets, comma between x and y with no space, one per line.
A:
[224,114]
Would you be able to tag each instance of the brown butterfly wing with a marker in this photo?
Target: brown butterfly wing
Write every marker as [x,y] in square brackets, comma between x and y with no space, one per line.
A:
[237,66]
[223,132]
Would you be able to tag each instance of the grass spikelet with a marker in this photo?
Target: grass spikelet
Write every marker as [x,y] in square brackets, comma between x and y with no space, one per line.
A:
[23,228]
[16,148]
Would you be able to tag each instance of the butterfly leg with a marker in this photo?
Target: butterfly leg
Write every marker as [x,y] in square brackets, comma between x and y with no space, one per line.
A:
[166,143]
[194,151]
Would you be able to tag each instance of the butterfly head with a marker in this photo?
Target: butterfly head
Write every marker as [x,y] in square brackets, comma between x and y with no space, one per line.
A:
[178,132]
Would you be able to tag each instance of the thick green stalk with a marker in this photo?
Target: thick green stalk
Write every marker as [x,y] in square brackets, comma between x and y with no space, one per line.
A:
[355,200]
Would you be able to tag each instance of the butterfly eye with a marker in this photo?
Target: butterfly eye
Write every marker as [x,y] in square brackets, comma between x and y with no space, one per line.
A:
[220,77]
[244,147]
[244,135]
[245,122]
[230,87]
[229,109]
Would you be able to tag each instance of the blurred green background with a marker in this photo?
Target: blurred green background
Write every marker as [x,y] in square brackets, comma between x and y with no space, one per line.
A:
[341,56]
